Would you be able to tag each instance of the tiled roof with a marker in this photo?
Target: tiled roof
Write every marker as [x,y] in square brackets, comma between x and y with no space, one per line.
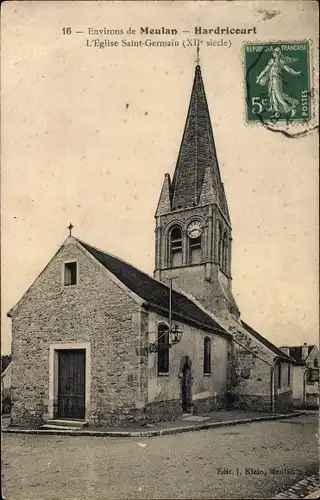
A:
[266,342]
[156,294]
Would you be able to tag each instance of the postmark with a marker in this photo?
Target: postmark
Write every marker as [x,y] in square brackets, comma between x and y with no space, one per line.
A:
[278,83]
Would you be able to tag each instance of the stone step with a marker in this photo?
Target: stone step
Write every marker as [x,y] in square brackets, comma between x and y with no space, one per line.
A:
[67,423]
[61,427]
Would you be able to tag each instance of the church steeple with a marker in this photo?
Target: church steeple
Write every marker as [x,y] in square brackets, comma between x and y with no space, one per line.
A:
[193,228]
[197,176]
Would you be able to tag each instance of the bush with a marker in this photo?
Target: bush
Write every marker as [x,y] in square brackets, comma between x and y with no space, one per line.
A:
[231,399]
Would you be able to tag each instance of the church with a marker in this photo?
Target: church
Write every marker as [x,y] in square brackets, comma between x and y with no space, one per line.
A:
[97,341]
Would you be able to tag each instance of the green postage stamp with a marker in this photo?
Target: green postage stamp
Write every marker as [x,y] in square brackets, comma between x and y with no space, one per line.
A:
[277,79]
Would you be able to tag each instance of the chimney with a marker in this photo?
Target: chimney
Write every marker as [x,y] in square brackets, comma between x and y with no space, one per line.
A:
[304,352]
[285,350]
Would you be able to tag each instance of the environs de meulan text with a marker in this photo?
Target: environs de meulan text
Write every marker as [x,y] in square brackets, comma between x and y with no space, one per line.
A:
[197,30]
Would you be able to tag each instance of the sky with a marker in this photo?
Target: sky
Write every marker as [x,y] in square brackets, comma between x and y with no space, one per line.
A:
[88,134]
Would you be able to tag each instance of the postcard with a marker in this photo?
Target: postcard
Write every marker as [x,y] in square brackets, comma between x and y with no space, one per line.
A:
[159,249]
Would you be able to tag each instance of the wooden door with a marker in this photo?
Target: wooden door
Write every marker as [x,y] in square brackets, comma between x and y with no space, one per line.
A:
[71,384]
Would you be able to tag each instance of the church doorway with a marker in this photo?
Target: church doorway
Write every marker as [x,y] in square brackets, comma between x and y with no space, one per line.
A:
[186,388]
[71,383]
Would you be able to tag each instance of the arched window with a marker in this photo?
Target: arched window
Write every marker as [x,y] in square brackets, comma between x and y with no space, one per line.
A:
[195,250]
[225,244]
[175,247]
[163,348]
[207,355]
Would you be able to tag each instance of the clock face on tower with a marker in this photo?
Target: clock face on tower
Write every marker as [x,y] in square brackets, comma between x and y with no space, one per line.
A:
[194,229]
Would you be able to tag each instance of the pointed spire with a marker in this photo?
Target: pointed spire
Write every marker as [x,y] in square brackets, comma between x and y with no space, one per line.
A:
[197,155]
[164,204]
[208,194]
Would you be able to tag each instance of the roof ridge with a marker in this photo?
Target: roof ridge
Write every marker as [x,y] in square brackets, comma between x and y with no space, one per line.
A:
[267,343]
[122,260]
[154,293]
[164,285]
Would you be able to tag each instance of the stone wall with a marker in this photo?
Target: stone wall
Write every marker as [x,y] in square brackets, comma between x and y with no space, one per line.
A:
[283,402]
[209,404]
[251,378]
[159,411]
[254,402]
[206,283]
[163,411]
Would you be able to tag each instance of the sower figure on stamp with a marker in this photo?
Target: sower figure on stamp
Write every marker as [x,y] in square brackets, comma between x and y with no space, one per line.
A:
[280,102]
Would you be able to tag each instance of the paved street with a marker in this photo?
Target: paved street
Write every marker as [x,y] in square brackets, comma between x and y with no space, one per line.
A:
[191,465]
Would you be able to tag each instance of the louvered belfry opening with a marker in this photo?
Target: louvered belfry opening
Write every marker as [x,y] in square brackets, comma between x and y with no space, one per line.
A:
[175,244]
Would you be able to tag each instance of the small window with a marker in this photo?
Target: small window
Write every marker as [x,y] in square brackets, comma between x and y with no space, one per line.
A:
[70,273]
[163,348]
[279,374]
[289,373]
[207,356]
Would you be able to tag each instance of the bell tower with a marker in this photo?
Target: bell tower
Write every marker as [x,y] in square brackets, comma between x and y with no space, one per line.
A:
[193,228]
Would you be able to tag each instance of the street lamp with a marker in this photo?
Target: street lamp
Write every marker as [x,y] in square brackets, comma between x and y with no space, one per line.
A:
[176,334]
[174,331]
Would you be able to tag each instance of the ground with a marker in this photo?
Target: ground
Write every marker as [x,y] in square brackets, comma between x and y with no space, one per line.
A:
[190,465]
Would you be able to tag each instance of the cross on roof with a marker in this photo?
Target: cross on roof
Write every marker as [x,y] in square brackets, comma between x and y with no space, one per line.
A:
[198,55]
[70,227]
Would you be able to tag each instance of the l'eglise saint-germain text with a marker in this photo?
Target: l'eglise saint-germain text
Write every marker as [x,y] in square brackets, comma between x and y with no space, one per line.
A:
[124,42]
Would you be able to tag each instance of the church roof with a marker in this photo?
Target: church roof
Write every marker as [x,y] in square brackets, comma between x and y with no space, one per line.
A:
[197,175]
[156,294]
[266,342]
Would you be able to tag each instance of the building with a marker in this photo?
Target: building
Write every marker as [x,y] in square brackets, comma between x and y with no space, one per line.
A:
[305,375]
[90,316]
[96,339]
